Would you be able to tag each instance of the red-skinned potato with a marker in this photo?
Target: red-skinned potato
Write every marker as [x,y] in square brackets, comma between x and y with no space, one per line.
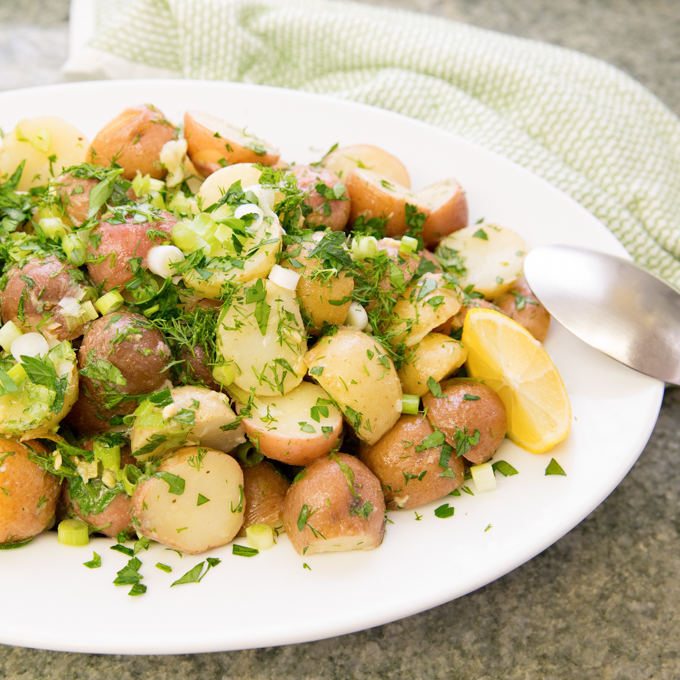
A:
[39,286]
[213,143]
[523,306]
[327,210]
[122,354]
[449,210]
[86,416]
[411,477]
[116,244]
[344,161]
[206,514]
[457,320]
[459,415]
[373,195]
[286,428]
[265,492]
[28,494]
[335,506]
[134,140]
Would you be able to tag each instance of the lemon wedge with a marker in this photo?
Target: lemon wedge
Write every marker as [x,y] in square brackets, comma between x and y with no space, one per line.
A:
[514,364]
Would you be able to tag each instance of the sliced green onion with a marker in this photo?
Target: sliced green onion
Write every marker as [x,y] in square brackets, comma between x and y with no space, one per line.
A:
[247,454]
[88,313]
[18,374]
[109,455]
[110,302]
[8,334]
[483,477]
[157,202]
[410,404]
[161,259]
[356,316]
[141,184]
[286,278]
[151,311]
[408,245]
[75,250]
[224,375]
[73,532]
[187,240]
[53,227]
[41,140]
[260,536]
[29,345]
[366,246]
[128,484]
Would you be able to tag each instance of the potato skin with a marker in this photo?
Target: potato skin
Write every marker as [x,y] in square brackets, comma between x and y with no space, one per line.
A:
[265,490]
[446,217]
[76,205]
[308,176]
[135,348]
[396,463]
[52,280]
[314,293]
[337,519]
[28,494]
[109,262]
[532,315]
[453,413]
[86,416]
[133,139]
[344,161]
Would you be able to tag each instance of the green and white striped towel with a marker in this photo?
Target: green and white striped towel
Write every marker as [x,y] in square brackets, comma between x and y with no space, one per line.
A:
[576,121]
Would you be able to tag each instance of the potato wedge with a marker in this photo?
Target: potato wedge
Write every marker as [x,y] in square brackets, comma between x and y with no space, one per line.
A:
[449,210]
[28,495]
[193,503]
[374,195]
[426,304]
[344,161]
[296,428]
[35,141]
[262,338]
[359,376]
[265,491]
[410,474]
[213,144]
[493,257]
[435,356]
[337,505]
[196,416]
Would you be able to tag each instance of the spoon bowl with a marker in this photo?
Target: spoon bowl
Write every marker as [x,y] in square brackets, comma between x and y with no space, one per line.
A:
[612,305]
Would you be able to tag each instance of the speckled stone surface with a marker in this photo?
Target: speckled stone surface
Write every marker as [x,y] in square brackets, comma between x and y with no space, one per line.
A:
[603,601]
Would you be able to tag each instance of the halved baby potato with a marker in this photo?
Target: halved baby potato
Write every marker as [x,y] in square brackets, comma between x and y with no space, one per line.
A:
[493,257]
[213,144]
[334,506]
[262,339]
[436,356]
[449,210]
[350,158]
[296,428]
[265,491]
[196,416]
[193,502]
[37,140]
[360,377]
[374,195]
[219,182]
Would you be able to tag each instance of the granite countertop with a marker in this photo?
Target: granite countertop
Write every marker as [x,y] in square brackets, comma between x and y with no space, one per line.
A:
[602,601]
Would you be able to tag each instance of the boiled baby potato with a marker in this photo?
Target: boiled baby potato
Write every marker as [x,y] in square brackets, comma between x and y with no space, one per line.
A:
[220,182]
[265,492]
[520,304]
[28,494]
[37,140]
[374,195]
[194,502]
[213,144]
[426,304]
[436,356]
[196,416]
[410,467]
[296,428]
[458,319]
[35,409]
[471,415]
[331,207]
[319,293]
[334,506]
[348,159]
[449,210]
[493,257]
[359,376]
[262,339]
[134,140]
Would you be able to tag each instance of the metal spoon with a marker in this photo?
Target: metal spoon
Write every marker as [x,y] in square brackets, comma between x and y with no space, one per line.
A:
[611,304]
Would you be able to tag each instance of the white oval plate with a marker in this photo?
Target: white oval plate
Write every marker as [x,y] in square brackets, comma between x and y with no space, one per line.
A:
[272,599]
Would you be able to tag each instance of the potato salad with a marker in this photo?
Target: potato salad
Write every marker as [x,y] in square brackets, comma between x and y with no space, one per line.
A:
[202,340]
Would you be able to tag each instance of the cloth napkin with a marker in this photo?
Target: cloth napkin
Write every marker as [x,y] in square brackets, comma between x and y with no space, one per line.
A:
[581,124]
